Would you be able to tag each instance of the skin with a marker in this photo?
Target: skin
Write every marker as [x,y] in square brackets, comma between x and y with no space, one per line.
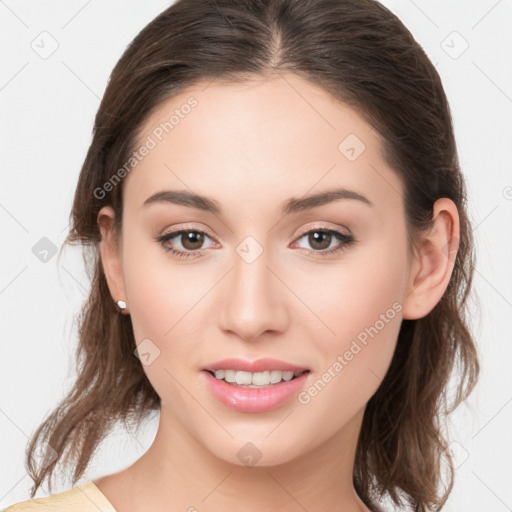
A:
[250,147]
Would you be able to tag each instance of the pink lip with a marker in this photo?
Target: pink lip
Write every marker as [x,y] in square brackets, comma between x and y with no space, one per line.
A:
[259,365]
[254,399]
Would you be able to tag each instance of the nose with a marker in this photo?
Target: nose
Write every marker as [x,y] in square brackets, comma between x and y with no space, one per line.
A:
[255,299]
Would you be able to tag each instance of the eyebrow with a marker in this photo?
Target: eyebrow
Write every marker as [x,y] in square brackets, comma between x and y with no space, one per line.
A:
[293,205]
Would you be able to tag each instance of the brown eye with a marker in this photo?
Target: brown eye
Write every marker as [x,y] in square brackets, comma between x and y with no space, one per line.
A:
[319,239]
[189,242]
[192,240]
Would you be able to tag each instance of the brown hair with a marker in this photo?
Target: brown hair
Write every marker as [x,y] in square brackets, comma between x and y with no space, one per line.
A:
[362,54]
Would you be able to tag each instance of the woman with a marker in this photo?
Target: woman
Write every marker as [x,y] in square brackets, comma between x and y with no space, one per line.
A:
[281,257]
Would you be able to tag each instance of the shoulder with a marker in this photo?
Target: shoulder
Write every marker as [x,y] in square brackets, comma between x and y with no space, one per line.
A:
[83,498]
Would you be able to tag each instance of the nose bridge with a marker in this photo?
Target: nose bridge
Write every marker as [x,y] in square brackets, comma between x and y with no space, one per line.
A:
[254,303]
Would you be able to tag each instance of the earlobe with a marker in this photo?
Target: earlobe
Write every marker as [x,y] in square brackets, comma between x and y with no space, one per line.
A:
[434,260]
[111,256]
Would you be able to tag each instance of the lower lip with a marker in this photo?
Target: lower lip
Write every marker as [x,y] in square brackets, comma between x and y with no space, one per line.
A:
[254,399]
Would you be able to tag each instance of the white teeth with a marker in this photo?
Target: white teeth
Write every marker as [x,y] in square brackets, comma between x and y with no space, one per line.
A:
[275,376]
[243,377]
[262,378]
[266,378]
[229,375]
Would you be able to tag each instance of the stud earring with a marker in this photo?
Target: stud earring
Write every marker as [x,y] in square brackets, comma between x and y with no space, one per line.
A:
[121,304]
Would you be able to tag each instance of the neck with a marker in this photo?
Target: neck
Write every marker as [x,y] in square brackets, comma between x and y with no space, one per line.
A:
[180,473]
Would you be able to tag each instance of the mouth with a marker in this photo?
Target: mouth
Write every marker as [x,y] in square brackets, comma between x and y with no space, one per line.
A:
[255,392]
[245,379]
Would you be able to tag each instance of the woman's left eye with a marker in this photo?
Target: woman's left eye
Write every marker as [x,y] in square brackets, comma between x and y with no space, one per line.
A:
[191,241]
[324,238]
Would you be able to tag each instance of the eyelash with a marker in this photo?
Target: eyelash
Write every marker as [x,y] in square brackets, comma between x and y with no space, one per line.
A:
[346,241]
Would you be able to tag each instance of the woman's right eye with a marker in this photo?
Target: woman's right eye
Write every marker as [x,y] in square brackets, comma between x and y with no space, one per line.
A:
[192,238]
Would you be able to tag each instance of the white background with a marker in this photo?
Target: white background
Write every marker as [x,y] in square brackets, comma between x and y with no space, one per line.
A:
[47,111]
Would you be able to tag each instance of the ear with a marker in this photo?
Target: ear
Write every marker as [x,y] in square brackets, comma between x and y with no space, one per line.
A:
[110,253]
[433,261]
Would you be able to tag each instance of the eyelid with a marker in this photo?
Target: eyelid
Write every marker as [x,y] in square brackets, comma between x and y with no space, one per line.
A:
[186,227]
[326,227]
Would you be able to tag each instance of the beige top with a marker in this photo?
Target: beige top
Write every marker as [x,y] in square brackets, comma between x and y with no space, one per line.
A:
[83,498]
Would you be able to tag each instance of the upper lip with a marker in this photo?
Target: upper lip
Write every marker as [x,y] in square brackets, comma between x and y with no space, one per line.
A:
[260,365]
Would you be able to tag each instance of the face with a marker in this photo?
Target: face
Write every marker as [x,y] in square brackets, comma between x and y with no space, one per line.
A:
[264,272]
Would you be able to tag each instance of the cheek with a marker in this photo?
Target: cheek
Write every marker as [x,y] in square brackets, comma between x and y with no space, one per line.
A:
[161,299]
[352,295]
[365,315]
[160,292]
[373,288]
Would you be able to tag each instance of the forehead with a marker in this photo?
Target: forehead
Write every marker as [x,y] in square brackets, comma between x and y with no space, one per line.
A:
[264,138]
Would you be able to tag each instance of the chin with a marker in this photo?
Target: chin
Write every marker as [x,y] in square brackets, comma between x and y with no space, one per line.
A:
[256,450]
